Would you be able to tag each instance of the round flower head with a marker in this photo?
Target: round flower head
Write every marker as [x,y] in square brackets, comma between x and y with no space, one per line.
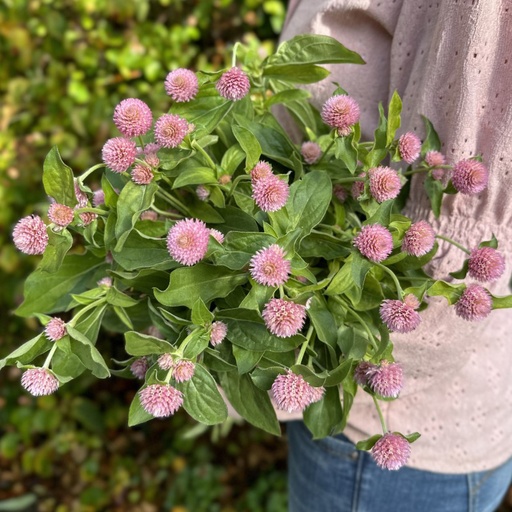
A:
[165,361]
[98,197]
[260,171]
[217,235]
[358,187]
[391,451]
[55,329]
[269,266]
[133,117]
[409,147]
[149,215]
[374,242]
[139,367]
[218,333]
[270,194]
[39,381]
[150,154]
[87,217]
[170,130]
[384,183]
[119,153]
[160,400]
[233,84]
[387,379]
[340,192]
[475,303]
[202,193]
[225,179]
[341,112]
[292,393]
[311,152]
[183,370]
[399,316]
[284,318]
[363,370]
[60,214]
[486,264]
[30,236]
[434,158]
[105,281]
[181,85]
[142,174]
[187,241]
[470,177]
[419,239]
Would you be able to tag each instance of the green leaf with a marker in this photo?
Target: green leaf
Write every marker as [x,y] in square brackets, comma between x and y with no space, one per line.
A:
[352,343]
[451,292]
[142,344]
[27,352]
[394,111]
[201,398]
[287,96]
[116,298]
[245,359]
[195,176]
[382,214]
[360,267]
[89,324]
[197,342]
[265,377]
[111,196]
[250,402]
[379,151]
[231,159]
[345,151]
[323,321]
[58,246]
[501,302]
[432,141]
[200,281]
[65,363]
[493,242]
[343,280]
[296,73]
[368,444]
[58,179]
[410,437]
[249,144]
[323,418]
[461,274]
[88,354]
[136,414]
[324,246]
[434,189]
[201,315]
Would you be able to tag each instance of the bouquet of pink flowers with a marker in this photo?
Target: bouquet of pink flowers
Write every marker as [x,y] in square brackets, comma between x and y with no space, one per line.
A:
[230,257]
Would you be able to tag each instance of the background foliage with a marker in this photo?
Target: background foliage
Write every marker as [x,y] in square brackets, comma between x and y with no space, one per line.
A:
[65,65]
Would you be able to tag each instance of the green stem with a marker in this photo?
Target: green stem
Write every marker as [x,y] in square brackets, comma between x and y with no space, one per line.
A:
[84,310]
[90,171]
[141,142]
[304,345]
[453,242]
[176,203]
[281,292]
[327,149]
[209,161]
[394,278]
[236,181]
[233,58]
[360,320]
[351,180]
[426,169]
[186,341]
[50,355]
[381,416]
[166,214]
[86,209]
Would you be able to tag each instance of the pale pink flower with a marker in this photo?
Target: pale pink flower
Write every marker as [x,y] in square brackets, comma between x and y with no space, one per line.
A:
[435,158]
[202,193]
[98,197]
[260,171]
[412,301]
[317,393]
[363,370]
[139,367]
[160,400]
[142,174]
[81,196]
[60,214]
[475,303]
[170,130]
[387,379]
[486,264]
[218,333]
[358,187]
[385,183]
[311,152]
[183,370]
[133,117]
[119,154]
[105,281]
[30,236]
[217,235]
[374,242]
[419,239]
[269,266]
[399,316]
[233,84]
[181,85]
[55,329]
[341,192]
[292,393]
[149,215]
[225,179]
[409,147]
[187,241]
[271,193]
[470,177]
[87,217]
[39,381]
[284,318]
[341,112]
[150,152]
[391,451]
[165,361]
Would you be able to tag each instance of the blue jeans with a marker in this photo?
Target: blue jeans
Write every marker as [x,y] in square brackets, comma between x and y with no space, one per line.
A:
[330,475]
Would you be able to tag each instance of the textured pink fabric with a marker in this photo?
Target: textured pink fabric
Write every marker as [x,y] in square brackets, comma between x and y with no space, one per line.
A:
[451,61]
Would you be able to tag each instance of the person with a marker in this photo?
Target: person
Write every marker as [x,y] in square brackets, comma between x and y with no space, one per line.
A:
[450,61]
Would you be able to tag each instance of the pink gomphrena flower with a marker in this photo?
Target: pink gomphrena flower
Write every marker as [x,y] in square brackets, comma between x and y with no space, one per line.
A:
[225,179]
[30,236]
[269,266]
[317,393]
[374,242]
[160,400]
[55,329]
[181,85]
[60,214]
[119,154]
[39,381]
[311,152]
[409,147]
[387,380]
[384,183]
[435,158]
[486,264]
[202,193]
[187,241]
[218,333]
[87,217]
[109,258]
[475,303]
[142,174]
[165,361]
[341,112]
[261,171]
[419,239]
[217,235]
[412,301]
[284,318]
[98,197]
[399,316]
[358,187]
[292,393]
[391,451]
[470,177]
[133,117]
[105,281]
[270,194]
[340,192]
[233,84]
[149,215]
[150,154]
[170,130]
[139,367]
[363,370]
[183,370]
[81,196]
